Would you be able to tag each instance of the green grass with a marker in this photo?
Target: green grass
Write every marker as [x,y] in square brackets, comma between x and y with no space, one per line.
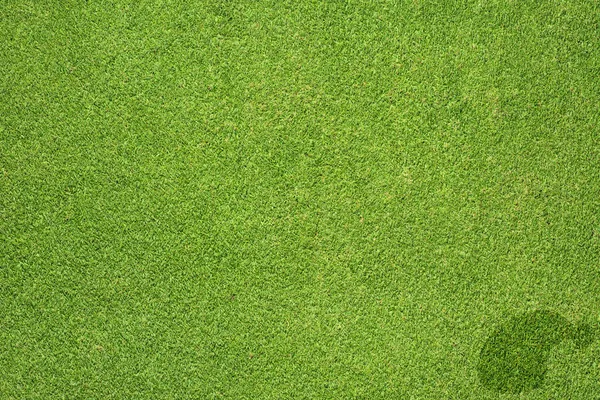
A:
[295,199]
[515,357]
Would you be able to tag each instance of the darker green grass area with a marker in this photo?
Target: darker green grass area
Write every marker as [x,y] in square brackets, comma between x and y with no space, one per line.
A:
[299,199]
[514,359]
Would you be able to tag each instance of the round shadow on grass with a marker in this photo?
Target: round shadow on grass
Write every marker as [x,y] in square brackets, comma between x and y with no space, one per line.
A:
[514,358]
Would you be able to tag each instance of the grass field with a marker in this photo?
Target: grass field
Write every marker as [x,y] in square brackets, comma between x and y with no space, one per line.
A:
[304,199]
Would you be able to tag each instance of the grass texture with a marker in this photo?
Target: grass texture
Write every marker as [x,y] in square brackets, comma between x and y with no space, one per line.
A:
[299,199]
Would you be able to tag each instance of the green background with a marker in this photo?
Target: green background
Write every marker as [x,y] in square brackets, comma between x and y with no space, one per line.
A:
[293,199]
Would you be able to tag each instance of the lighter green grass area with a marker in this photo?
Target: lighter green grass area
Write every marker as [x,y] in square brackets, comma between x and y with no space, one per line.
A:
[293,199]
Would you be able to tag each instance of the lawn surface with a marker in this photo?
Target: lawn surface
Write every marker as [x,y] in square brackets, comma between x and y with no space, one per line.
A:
[298,199]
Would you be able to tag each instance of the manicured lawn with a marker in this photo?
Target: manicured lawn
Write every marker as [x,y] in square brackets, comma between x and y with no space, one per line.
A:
[299,199]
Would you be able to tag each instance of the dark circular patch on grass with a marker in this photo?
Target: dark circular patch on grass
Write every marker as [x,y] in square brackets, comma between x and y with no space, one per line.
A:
[514,357]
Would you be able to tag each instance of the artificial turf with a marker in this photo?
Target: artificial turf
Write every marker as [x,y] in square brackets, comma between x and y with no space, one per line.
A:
[299,199]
